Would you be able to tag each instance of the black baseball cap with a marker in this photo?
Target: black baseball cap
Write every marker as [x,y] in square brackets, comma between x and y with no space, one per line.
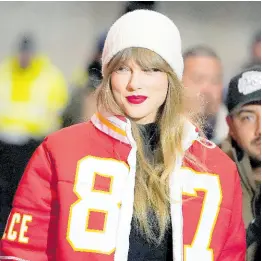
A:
[244,88]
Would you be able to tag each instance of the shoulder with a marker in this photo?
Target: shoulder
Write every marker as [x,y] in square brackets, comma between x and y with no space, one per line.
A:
[73,137]
[226,146]
[48,67]
[70,132]
[209,154]
[67,146]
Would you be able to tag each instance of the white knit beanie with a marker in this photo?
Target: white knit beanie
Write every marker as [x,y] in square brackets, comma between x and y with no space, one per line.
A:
[146,29]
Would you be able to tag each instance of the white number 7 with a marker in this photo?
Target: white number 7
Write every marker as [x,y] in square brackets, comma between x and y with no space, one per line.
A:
[210,184]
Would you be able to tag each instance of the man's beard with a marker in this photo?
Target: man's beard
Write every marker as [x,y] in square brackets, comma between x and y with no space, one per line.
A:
[255,160]
[256,142]
[255,163]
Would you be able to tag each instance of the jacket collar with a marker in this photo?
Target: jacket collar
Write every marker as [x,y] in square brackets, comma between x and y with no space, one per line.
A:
[119,128]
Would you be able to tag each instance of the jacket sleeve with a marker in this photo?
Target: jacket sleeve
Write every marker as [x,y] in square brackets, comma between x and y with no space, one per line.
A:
[30,229]
[235,246]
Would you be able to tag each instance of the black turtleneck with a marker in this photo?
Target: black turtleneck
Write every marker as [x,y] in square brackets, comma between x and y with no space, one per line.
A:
[139,248]
[151,135]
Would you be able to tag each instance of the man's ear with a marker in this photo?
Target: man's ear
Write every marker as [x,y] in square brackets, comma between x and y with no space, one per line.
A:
[228,120]
[231,126]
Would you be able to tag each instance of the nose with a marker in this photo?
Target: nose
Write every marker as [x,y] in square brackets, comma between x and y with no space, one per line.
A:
[134,83]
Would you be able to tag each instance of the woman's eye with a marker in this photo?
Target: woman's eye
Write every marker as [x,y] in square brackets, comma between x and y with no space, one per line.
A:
[152,70]
[155,70]
[122,69]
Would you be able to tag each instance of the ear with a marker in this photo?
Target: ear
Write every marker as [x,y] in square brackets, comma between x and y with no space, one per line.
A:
[231,126]
[228,120]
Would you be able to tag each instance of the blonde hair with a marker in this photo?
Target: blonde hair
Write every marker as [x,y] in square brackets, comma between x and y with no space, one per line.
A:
[152,177]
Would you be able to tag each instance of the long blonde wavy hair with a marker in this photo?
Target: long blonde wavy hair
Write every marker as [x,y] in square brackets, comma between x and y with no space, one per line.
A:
[152,177]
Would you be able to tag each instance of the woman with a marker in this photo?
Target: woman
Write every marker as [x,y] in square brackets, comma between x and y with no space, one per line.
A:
[136,182]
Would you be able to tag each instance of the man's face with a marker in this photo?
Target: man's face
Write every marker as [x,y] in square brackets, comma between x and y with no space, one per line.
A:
[203,79]
[245,129]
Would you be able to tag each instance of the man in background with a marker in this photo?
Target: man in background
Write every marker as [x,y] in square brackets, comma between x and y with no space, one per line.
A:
[33,93]
[82,102]
[244,147]
[203,80]
[244,142]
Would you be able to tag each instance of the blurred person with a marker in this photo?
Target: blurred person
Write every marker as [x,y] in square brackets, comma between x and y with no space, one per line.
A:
[244,142]
[255,55]
[90,75]
[95,67]
[76,110]
[33,93]
[89,105]
[203,80]
[81,107]
[136,182]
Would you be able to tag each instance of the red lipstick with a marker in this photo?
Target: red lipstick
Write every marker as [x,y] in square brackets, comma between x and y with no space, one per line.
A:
[136,99]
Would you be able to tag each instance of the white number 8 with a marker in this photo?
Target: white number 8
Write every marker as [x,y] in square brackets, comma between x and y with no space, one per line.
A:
[100,202]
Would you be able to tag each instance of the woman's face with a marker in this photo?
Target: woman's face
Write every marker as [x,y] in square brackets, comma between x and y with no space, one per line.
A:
[139,92]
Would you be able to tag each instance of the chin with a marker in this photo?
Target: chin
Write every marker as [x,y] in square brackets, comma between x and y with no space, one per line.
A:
[136,117]
[256,156]
[135,113]
[139,118]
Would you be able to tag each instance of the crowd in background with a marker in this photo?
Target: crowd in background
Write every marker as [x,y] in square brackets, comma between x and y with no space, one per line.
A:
[35,100]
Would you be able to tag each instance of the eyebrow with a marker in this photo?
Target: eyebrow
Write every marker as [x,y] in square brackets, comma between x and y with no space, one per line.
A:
[245,111]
